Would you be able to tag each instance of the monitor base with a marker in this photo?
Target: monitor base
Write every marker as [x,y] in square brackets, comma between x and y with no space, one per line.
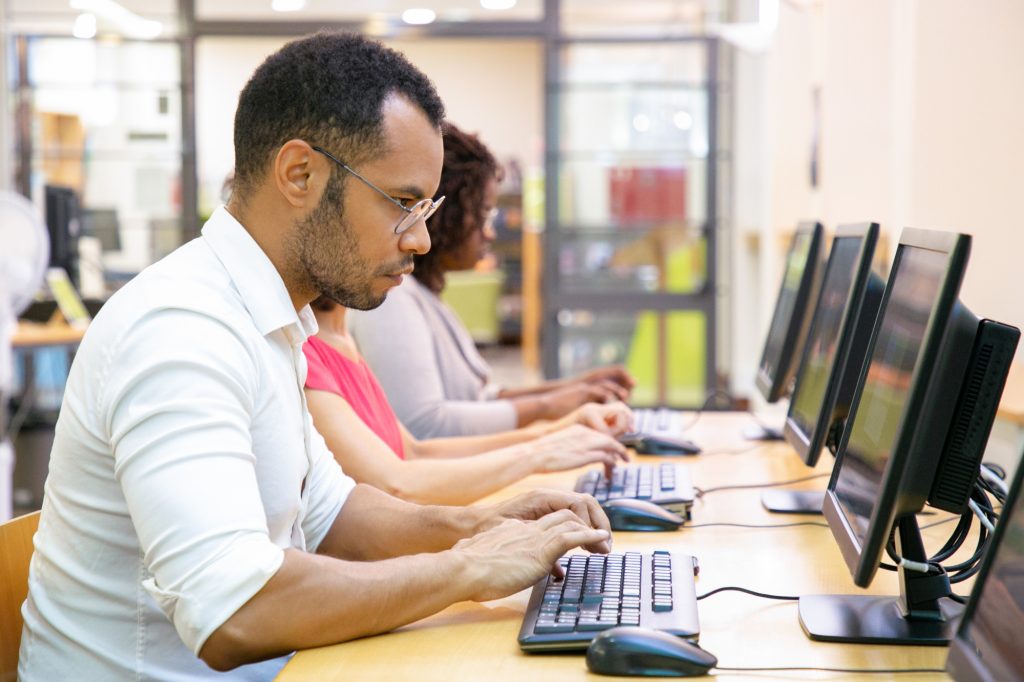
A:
[793,501]
[766,433]
[867,619]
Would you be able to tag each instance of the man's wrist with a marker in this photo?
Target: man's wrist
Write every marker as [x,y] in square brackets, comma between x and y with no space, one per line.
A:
[474,519]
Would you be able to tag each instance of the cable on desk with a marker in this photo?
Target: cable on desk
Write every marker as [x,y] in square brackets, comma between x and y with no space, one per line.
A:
[754,525]
[702,492]
[711,397]
[746,591]
[872,671]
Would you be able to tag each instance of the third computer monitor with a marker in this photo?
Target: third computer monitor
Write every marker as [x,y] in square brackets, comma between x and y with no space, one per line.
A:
[920,418]
[788,328]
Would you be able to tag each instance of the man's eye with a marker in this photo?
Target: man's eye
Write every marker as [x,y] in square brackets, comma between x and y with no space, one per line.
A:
[408,203]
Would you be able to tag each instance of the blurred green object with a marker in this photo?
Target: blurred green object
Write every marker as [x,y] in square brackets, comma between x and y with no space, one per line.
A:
[683,335]
[473,295]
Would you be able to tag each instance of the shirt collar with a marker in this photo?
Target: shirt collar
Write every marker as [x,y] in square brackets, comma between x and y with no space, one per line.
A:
[262,290]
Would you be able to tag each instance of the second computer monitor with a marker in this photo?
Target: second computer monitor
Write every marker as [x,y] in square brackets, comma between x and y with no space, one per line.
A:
[836,343]
[788,329]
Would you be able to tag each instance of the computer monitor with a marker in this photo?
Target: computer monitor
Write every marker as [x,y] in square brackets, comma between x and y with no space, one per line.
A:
[792,314]
[833,356]
[987,645]
[63,222]
[920,418]
[788,330]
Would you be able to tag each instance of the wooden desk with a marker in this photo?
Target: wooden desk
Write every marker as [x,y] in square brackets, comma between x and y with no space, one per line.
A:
[470,641]
[34,334]
[1011,406]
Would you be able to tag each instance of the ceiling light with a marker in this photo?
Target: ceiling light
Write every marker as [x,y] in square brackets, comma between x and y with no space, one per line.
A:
[641,123]
[127,22]
[497,4]
[418,16]
[287,5]
[84,26]
[683,120]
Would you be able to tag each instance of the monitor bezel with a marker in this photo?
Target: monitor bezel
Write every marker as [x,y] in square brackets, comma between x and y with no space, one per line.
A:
[863,560]
[808,446]
[963,663]
[772,388]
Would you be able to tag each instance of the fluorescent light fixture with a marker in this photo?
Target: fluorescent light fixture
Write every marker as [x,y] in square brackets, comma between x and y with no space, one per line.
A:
[497,4]
[419,16]
[287,5]
[129,23]
[84,26]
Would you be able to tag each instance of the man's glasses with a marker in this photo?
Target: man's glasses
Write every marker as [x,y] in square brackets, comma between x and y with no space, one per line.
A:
[421,210]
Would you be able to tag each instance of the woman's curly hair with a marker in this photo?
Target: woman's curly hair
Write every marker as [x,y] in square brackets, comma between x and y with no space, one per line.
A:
[468,166]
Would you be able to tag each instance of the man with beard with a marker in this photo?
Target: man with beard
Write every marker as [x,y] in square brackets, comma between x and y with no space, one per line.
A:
[194,521]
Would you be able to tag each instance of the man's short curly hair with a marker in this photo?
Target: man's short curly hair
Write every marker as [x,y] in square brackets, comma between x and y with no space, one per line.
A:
[327,89]
[468,166]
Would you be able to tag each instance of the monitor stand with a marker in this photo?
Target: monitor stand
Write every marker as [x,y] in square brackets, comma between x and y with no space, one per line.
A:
[793,501]
[922,614]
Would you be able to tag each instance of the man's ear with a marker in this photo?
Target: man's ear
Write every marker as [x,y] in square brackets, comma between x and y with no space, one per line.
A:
[297,174]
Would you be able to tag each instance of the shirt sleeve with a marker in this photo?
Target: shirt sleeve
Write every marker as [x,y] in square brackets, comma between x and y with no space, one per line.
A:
[178,423]
[397,343]
[329,488]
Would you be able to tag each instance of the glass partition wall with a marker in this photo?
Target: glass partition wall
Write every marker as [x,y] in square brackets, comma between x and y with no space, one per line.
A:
[621,216]
[632,167]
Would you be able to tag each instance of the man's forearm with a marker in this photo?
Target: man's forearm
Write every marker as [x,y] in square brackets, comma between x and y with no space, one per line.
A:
[358,533]
[314,601]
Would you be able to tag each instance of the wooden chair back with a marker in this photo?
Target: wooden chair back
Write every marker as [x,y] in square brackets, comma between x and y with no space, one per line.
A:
[15,554]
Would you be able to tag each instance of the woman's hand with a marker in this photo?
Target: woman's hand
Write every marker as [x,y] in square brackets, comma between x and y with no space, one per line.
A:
[576,446]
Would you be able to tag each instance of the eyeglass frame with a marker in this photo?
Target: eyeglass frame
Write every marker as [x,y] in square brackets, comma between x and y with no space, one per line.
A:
[413,214]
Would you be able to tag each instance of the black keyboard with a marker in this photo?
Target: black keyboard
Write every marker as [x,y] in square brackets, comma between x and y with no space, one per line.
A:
[667,485]
[653,590]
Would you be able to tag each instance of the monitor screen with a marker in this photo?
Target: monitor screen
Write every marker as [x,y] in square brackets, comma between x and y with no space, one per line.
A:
[788,327]
[988,642]
[814,405]
[915,283]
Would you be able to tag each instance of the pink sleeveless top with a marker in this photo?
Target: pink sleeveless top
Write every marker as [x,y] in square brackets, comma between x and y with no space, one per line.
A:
[331,371]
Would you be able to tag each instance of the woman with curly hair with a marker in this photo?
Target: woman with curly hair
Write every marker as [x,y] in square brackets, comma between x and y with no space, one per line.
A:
[425,359]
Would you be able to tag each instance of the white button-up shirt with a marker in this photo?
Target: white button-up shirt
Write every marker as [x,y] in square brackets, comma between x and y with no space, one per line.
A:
[184,463]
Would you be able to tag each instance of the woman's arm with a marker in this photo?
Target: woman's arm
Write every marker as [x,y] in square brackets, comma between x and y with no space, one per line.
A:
[365,457]
[612,418]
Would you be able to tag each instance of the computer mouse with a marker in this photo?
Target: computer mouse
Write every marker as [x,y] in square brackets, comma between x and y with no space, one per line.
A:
[631,514]
[650,444]
[630,650]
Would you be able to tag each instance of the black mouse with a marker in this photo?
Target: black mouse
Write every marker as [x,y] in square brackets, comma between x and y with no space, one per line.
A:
[630,514]
[629,650]
[651,444]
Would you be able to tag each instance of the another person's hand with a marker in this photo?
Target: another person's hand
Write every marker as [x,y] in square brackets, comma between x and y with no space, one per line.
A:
[613,418]
[561,401]
[576,446]
[616,375]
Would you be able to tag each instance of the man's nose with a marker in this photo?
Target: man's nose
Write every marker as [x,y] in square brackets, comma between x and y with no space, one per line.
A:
[416,239]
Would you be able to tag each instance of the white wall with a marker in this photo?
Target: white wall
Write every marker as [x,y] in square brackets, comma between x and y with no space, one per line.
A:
[920,127]
[491,87]
[6,124]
